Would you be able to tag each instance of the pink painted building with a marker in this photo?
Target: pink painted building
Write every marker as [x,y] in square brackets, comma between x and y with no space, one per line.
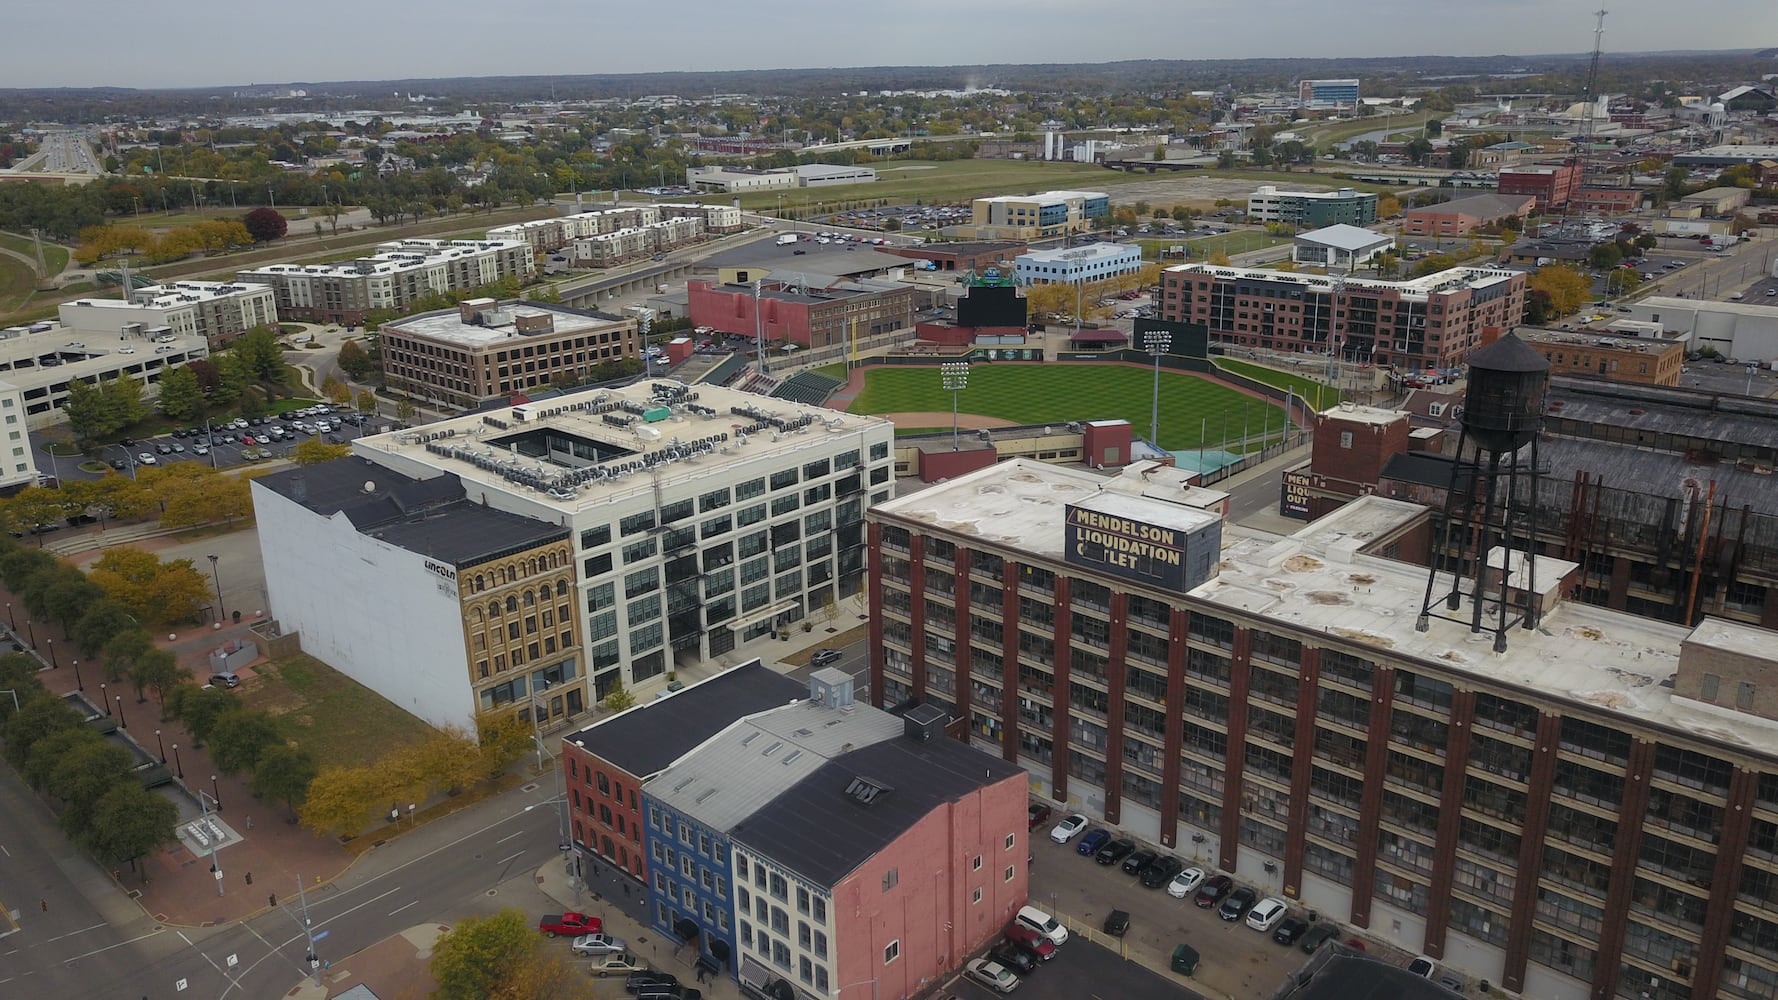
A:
[890,863]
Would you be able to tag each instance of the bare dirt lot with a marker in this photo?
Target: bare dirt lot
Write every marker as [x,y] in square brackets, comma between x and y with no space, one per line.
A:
[1202,191]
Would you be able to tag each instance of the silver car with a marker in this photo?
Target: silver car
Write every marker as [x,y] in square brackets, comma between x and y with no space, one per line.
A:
[599,944]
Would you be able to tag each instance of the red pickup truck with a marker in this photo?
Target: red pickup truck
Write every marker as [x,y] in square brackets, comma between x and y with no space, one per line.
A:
[571,924]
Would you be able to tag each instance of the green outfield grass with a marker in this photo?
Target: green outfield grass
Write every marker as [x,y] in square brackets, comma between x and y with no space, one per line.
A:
[1055,394]
[1319,394]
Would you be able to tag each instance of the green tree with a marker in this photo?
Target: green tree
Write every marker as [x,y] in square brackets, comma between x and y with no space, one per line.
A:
[49,751]
[199,708]
[283,774]
[88,415]
[40,716]
[481,954]
[1606,256]
[404,411]
[1675,184]
[367,402]
[314,451]
[82,776]
[1418,150]
[355,361]
[128,822]
[123,401]
[181,398]
[1647,241]
[69,598]
[103,620]
[258,350]
[156,668]
[124,648]
[240,738]
[619,697]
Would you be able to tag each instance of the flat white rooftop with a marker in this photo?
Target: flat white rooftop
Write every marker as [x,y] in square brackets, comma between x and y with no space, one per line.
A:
[402,255]
[1361,414]
[563,453]
[1455,277]
[1047,196]
[447,325]
[1081,255]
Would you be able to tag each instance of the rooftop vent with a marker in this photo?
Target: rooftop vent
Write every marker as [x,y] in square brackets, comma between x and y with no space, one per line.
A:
[867,790]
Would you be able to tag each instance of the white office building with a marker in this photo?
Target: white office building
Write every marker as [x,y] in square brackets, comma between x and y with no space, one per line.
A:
[18,462]
[1745,331]
[701,517]
[1076,265]
[43,359]
[214,310]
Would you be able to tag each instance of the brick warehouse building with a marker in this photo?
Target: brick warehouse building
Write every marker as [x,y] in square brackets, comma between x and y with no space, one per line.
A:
[1593,813]
[1428,322]
[807,317]
[1552,184]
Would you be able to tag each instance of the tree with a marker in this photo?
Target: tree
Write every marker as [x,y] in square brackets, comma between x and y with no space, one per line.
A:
[1676,183]
[1457,156]
[265,224]
[283,774]
[156,668]
[257,350]
[1219,258]
[37,718]
[69,598]
[1647,241]
[619,697]
[545,974]
[1538,308]
[49,751]
[367,402]
[206,500]
[82,776]
[480,955]
[88,415]
[199,708]
[103,620]
[123,649]
[123,401]
[404,410]
[314,451]
[1418,150]
[181,398]
[339,800]
[240,738]
[1388,206]
[1605,256]
[154,591]
[1621,280]
[129,821]
[1567,288]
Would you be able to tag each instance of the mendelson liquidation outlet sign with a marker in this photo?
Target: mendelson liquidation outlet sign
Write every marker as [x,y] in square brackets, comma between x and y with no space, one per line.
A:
[1136,550]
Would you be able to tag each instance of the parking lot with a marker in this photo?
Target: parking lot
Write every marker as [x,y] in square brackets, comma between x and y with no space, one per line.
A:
[236,444]
[1083,969]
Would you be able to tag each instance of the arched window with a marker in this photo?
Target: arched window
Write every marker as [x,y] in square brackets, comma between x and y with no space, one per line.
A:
[512,605]
[475,616]
[561,588]
[493,609]
[530,598]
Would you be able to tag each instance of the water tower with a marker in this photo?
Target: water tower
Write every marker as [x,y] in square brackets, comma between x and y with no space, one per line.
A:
[1492,498]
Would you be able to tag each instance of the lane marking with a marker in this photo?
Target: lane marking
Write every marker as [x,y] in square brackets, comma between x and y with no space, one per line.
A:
[509,857]
[517,833]
[404,906]
[120,944]
[70,934]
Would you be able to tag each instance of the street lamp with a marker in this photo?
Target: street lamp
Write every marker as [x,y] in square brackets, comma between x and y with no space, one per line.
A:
[162,745]
[104,700]
[52,652]
[77,681]
[14,622]
[956,379]
[841,989]
[216,793]
[32,632]
[220,611]
[122,723]
[180,768]
[1156,342]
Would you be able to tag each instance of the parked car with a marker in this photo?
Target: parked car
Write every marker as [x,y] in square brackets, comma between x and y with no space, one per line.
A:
[1266,914]
[641,983]
[146,459]
[1069,828]
[598,944]
[1185,883]
[1117,923]
[1114,852]
[620,963]
[992,974]
[1317,936]
[1090,844]
[823,657]
[1450,982]
[1213,890]
[226,679]
[1043,923]
[1014,957]
[1160,872]
[1030,939]
[569,923]
[1423,967]
[1138,861]
[1035,814]
[1237,904]
[1290,929]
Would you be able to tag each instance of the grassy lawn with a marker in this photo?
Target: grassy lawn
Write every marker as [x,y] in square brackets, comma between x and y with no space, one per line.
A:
[1341,131]
[1233,243]
[1054,394]
[1320,395]
[16,283]
[337,719]
[55,256]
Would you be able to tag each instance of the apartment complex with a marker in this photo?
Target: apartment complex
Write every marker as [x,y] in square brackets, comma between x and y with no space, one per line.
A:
[486,350]
[1592,813]
[214,310]
[783,312]
[1035,216]
[701,517]
[486,600]
[620,245]
[1604,355]
[1312,208]
[1427,322]
[1552,184]
[547,235]
[389,280]
[1077,265]
[18,465]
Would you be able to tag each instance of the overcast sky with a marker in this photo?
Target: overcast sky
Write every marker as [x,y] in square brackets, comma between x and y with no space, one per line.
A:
[203,43]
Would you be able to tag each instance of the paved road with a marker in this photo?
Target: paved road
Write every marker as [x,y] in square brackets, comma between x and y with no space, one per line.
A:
[92,942]
[1718,275]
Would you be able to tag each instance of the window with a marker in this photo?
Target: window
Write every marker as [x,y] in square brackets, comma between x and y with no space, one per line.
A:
[891,878]
[1707,690]
[779,888]
[892,951]
[1346,439]
[802,900]
[1009,874]
[821,915]
[976,864]
[820,945]
[741,866]
[1010,838]
[1744,697]
[975,896]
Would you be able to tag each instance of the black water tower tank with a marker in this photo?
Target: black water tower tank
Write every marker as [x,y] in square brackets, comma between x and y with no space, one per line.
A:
[1504,404]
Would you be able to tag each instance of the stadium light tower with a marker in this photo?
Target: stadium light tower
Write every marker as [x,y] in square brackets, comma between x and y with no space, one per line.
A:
[956,379]
[1156,342]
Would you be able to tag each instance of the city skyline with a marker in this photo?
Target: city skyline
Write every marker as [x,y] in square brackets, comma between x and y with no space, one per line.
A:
[453,39]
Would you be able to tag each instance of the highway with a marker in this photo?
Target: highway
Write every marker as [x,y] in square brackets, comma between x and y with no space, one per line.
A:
[472,862]
[60,153]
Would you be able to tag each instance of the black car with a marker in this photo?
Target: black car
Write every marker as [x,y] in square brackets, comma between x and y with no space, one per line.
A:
[179,432]
[1290,930]
[1239,902]
[1115,851]
[1138,861]
[823,657]
[1013,957]
[1161,871]
[1317,936]
[638,980]
[1117,923]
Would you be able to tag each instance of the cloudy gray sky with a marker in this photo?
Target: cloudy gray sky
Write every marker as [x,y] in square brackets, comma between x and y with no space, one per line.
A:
[188,43]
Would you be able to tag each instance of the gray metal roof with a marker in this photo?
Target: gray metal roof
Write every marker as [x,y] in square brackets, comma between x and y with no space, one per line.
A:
[1729,418]
[649,737]
[1655,473]
[1344,237]
[752,762]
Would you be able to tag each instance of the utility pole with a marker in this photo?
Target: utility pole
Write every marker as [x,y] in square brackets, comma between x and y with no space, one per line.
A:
[313,957]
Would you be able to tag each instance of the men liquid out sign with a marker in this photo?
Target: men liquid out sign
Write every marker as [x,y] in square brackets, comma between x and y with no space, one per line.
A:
[1128,548]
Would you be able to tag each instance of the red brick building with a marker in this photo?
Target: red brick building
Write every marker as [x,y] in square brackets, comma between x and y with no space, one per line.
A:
[1461,216]
[1428,322]
[1552,184]
[607,762]
[818,317]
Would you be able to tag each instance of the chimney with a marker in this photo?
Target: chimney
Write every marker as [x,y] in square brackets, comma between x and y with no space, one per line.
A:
[299,489]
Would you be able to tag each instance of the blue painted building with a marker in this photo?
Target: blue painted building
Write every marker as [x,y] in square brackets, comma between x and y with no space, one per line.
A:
[1076,265]
[691,807]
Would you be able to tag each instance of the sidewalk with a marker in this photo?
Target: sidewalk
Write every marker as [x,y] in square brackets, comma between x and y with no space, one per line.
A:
[623,904]
[392,968]
[174,885]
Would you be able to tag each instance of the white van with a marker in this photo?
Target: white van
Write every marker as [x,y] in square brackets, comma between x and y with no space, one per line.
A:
[1042,923]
